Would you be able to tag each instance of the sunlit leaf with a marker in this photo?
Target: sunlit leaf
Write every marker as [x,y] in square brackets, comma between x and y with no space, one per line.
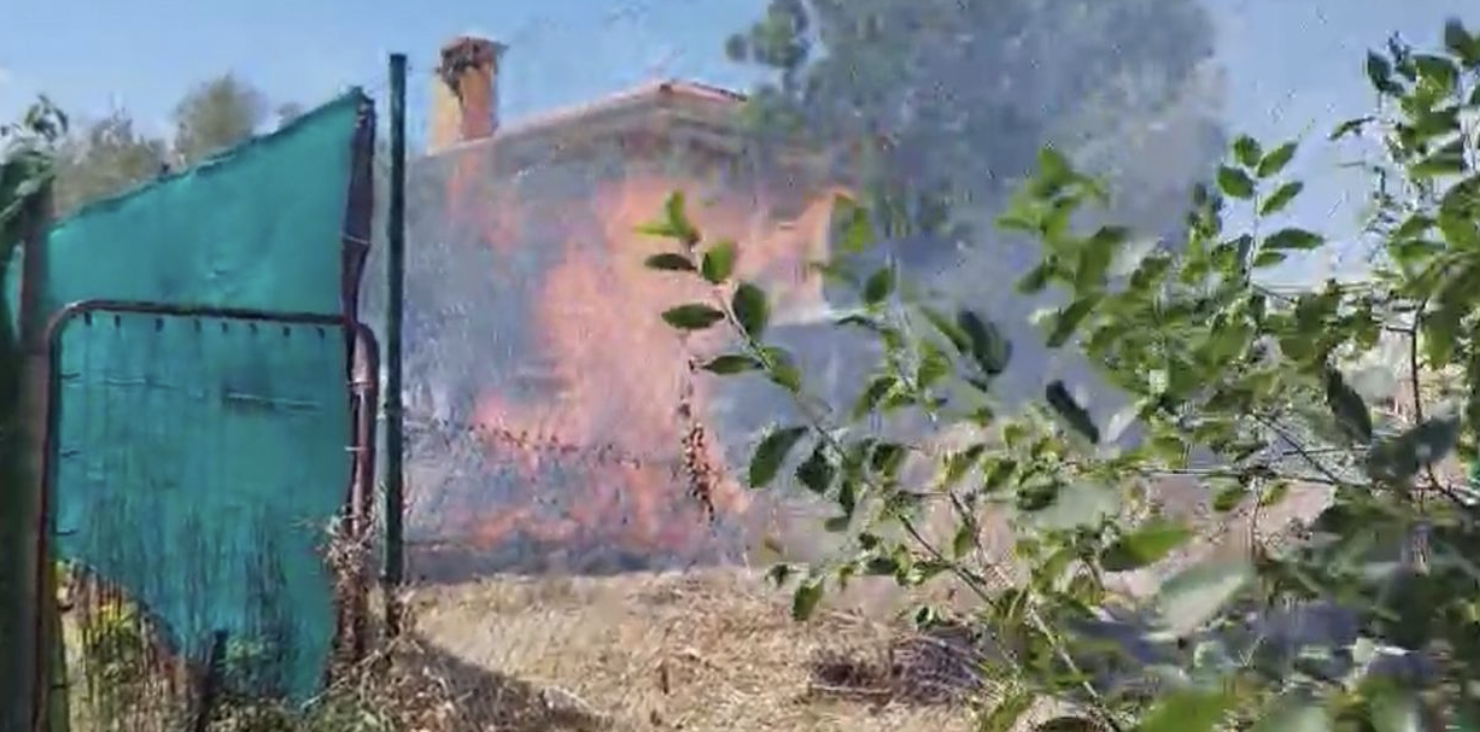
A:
[678,219]
[751,309]
[804,602]
[771,453]
[670,262]
[1145,546]
[1235,183]
[1193,597]
[1293,238]
[1396,710]
[1276,160]
[1274,494]
[719,262]
[1229,498]
[1097,255]
[1068,320]
[873,394]
[1008,710]
[1294,713]
[1187,711]
[1281,198]
[733,363]
[1246,151]
[693,316]
[1071,411]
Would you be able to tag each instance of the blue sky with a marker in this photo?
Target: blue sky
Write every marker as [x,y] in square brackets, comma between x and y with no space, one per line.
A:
[1293,65]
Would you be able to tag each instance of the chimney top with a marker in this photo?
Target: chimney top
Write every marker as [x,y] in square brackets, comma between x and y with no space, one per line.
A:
[468,52]
[465,104]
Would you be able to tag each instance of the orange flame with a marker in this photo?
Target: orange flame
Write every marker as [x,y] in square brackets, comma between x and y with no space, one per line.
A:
[621,373]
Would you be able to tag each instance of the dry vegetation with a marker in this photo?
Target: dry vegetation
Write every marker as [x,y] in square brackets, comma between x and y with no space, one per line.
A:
[707,650]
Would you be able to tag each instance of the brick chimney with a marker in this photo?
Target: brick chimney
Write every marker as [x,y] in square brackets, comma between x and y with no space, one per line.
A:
[465,92]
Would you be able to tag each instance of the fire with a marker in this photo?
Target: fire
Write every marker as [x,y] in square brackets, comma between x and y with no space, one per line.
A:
[597,461]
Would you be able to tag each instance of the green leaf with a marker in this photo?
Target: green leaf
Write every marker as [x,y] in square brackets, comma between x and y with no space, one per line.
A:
[693,316]
[1396,710]
[1460,42]
[1069,409]
[1193,597]
[1349,127]
[1187,711]
[1235,183]
[964,540]
[1229,498]
[804,602]
[1145,546]
[1438,71]
[669,261]
[989,347]
[934,365]
[950,330]
[1274,494]
[1281,198]
[857,230]
[1038,278]
[1068,724]
[1068,320]
[1005,715]
[817,471]
[879,286]
[751,309]
[678,219]
[1246,151]
[1293,238]
[719,262]
[1351,413]
[878,387]
[1380,74]
[733,363]
[1097,255]
[1398,459]
[1276,160]
[771,453]
[1294,713]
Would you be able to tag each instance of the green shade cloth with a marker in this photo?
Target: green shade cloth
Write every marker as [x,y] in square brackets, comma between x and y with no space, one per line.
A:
[200,461]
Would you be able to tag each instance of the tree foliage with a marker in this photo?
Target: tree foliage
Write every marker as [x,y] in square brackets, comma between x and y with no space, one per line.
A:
[215,115]
[1253,393]
[107,156]
[936,106]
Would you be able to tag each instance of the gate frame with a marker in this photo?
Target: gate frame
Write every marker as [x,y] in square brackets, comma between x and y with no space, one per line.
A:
[356,506]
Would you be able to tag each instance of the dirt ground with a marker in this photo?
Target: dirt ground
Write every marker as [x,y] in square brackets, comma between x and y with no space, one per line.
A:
[709,650]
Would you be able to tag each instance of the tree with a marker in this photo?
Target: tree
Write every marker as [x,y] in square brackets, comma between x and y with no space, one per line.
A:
[1253,393]
[109,157]
[932,111]
[215,115]
[934,102]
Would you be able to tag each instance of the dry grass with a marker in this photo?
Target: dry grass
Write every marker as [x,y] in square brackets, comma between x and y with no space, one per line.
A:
[708,650]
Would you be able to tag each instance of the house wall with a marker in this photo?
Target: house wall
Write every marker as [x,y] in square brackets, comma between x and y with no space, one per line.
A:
[544,392]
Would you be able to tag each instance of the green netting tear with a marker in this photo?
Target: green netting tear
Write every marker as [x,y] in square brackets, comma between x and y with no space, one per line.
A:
[199,461]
